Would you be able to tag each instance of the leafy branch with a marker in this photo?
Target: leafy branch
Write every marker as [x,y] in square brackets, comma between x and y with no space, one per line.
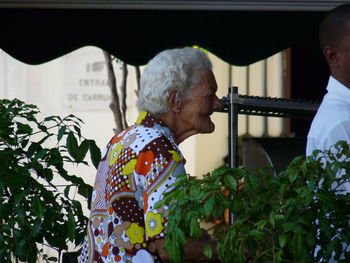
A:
[33,153]
[302,215]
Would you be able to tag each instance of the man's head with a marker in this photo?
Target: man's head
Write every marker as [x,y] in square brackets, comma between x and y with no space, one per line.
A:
[335,42]
[174,69]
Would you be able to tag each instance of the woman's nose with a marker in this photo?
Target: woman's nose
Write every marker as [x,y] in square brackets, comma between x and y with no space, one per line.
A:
[217,104]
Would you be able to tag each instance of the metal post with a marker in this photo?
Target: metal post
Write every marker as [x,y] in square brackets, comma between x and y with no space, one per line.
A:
[233,134]
[233,126]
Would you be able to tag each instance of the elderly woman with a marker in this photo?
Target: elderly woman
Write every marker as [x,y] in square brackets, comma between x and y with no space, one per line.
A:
[176,99]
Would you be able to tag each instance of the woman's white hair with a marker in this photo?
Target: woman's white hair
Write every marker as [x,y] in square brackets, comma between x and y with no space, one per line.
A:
[178,69]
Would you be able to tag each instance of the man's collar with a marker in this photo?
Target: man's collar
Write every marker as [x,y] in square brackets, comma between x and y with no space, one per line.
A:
[335,86]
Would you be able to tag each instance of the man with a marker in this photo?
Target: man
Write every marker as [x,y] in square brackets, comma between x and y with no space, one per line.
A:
[332,121]
[139,164]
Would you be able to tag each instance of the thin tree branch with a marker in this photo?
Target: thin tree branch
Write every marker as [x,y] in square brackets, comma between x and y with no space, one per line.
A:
[114,105]
[123,94]
[138,77]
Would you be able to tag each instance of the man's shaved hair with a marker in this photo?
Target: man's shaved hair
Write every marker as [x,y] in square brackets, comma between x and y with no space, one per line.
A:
[335,25]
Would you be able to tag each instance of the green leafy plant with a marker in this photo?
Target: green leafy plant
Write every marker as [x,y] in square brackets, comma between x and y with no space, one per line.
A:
[302,215]
[33,211]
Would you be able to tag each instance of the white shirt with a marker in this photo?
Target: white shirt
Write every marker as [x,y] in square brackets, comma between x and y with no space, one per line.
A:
[332,121]
[331,124]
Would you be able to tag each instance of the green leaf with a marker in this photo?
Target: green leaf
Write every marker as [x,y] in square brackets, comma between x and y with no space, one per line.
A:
[159,204]
[24,143]
[55,158]
[5,131]
[14,181]
[23,128]
[38,207]
[95,153]
[20,196]
[82,150]
[252,182]
[61,132]
[328,200]
[72,144]
[258,235]
[36,229]
[33,148]
[20,248]
[292,175]
[181,237]
[209,205]
[282,239]
[241,256]
[21,214]
[230,182]
[221,171]
[272,221]
[195,230]
[43,128]
[71,226]
[179,195]
[56,119]
[77,129]
[39,155]
[297,242]
[174,251]
[194,191]
[85,190]
[278,256]
[207,250]
[288,227]
[66,191]
[32,253]
[260,224]
[74,119]
[47,174]
[52,238]
[5,211]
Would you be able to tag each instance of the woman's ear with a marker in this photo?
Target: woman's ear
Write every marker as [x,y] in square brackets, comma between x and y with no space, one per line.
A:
[332,55]
[174,104]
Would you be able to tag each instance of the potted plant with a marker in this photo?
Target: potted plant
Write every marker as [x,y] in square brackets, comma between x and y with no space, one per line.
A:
[302,215]
[33,211]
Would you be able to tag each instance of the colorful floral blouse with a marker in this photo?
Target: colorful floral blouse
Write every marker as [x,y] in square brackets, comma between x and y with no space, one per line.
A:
[137,166]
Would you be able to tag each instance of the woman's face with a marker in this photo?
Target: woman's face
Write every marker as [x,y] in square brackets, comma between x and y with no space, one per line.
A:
[200,104]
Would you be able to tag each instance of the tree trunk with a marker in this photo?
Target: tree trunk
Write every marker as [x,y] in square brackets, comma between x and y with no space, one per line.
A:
[114,105]
[123,93]
[138,77]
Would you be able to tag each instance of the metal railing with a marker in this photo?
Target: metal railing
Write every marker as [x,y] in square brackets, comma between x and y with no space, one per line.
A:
[235,104]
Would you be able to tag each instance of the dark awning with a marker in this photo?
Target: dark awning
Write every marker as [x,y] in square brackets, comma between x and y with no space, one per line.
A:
[134,31]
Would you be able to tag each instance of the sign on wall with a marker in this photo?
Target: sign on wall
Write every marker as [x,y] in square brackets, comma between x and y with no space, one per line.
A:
[86,80]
